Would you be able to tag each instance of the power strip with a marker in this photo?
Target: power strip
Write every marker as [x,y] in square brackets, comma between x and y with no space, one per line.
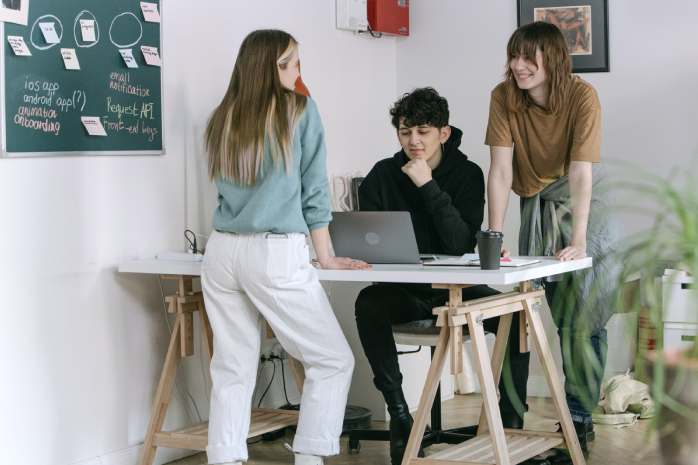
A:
[181,256]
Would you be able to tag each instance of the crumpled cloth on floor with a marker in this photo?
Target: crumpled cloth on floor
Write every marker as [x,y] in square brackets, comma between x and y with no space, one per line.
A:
[623,401]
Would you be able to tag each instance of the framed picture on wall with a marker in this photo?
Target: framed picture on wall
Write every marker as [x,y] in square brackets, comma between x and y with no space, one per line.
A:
[584,24]
[14,11]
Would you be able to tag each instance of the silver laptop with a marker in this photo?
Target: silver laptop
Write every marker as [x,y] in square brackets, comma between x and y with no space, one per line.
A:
[374,237]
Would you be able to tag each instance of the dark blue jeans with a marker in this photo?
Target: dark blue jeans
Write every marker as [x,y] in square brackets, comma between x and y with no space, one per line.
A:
[583,363]
[380,306]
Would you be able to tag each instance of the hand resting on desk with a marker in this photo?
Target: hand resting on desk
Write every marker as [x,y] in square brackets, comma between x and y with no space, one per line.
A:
[573,252]
[505,253]
[321,242]
[343,263]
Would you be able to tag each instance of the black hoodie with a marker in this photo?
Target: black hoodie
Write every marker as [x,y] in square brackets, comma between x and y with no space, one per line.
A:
[446,212]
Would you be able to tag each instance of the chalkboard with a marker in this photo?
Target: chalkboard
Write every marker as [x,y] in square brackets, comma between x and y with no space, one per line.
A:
[43,102]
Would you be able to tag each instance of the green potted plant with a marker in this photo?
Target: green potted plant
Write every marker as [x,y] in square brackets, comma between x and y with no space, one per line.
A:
[671,206]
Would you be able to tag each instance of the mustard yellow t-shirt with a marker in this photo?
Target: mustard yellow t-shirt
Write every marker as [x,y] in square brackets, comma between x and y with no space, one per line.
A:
[544,143]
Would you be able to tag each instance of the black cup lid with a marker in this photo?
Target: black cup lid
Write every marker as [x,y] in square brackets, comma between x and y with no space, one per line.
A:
[489,234]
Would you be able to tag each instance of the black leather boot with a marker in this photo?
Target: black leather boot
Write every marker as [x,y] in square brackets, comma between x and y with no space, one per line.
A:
[562,456]
[400,425]
[591,434]
[514,421]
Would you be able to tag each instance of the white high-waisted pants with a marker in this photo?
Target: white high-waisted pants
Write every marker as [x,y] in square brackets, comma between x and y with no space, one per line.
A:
[245,277]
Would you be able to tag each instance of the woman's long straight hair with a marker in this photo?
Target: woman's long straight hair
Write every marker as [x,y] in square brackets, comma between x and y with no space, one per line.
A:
[557,63]
[256,106]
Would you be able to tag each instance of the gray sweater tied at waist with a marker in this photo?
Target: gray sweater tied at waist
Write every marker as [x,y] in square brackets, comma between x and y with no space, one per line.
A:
[588,298]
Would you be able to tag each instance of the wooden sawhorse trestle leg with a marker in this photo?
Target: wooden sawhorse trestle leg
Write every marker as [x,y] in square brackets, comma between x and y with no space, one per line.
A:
[493,444]
[184,303]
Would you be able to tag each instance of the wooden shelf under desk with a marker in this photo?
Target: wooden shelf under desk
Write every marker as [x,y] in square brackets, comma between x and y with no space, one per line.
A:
[195,437]
[521,445]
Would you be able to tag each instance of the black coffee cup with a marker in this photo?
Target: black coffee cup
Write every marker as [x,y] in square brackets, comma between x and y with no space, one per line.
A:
[489,245]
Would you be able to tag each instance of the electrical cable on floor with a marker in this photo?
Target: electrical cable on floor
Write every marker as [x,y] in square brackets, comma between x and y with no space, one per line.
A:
[289,405]
[279,381]
[259,375]
[283,377]
[267,390]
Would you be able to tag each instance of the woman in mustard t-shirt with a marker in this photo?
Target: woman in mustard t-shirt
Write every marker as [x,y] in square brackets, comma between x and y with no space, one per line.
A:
[553,121]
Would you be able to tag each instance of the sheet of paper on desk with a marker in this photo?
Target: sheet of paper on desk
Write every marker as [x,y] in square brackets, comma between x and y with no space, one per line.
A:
[473,259]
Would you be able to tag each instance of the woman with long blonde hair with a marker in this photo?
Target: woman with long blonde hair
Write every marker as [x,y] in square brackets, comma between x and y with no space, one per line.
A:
[266,153]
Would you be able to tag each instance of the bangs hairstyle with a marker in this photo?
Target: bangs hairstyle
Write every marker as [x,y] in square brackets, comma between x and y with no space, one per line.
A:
[420,107]
[254,107]
[557,63]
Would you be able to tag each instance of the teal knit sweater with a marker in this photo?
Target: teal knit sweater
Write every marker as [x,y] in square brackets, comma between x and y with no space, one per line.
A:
[282,202]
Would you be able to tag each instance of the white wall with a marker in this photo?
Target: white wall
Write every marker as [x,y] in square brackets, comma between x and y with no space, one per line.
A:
[82,346]
[648,98]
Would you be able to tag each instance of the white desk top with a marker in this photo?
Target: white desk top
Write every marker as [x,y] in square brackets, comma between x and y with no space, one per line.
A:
[393,273]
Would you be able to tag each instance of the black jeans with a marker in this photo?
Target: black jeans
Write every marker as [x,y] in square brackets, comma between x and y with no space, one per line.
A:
[380,306]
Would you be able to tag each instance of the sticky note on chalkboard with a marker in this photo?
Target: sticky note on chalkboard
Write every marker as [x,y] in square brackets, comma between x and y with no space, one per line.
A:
[18,46]
[128,58]
[93,125]
[49,31]
[87,26]
[150,12]
[70,58]
[151,55]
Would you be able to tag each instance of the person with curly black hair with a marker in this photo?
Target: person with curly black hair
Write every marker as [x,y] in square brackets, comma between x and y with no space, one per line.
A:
[445,195]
